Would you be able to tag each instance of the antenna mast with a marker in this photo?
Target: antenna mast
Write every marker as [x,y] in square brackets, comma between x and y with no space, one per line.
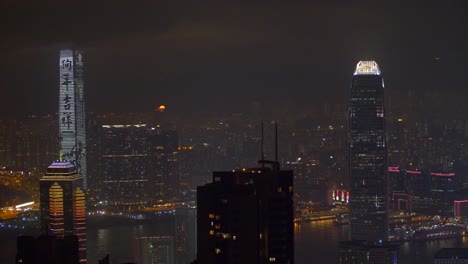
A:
[263,155]
[276,141]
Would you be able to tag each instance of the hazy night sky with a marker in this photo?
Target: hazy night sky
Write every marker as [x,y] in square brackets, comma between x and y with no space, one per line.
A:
[200,57]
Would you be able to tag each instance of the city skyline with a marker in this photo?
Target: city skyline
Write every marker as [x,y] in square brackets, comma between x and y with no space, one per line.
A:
[182,100]
[202,61]
[226,137]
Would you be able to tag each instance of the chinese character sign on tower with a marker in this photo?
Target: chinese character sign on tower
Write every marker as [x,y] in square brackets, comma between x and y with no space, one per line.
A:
[72,110]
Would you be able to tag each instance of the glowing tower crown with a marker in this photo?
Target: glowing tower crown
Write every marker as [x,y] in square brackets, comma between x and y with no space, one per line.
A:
[367,68]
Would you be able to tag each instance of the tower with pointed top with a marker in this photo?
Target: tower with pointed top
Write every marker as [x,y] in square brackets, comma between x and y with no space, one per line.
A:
[368,155]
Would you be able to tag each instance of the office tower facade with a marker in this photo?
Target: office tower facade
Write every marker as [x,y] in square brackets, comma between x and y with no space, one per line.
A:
[124,177]
[72,120]
[163,158]
[151,250]
[246,216]
[368,155]
[185,235]
[62,204]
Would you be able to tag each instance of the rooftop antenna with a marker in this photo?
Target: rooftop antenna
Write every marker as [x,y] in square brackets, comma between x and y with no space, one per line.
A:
[263,155]
[276,141]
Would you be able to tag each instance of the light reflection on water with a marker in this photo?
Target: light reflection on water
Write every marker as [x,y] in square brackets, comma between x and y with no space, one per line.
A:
[117,241]
[319,241]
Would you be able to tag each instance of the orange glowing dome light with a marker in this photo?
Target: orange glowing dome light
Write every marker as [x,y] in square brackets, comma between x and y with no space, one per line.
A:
[162,108]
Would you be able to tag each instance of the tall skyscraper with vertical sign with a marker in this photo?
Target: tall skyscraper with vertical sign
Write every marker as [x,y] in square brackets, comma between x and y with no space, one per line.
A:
[368,155]
[72,125]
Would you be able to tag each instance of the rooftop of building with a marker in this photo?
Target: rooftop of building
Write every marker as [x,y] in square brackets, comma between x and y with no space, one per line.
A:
[62,170]
[367,68]
[452,253]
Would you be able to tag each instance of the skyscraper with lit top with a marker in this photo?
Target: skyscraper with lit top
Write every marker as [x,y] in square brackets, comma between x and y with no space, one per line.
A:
[368,155]
[62,204]
[72,124]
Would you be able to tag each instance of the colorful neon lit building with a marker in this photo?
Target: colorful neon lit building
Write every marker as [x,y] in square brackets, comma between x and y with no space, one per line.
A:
[368,155]
[72,125]
[62,204]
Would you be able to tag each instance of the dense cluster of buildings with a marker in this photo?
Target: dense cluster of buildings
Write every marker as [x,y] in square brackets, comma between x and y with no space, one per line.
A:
[125,163]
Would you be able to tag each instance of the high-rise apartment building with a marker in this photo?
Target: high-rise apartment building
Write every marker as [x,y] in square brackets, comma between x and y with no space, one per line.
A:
[72,115]
[246,216]
[62,204]
[368,155]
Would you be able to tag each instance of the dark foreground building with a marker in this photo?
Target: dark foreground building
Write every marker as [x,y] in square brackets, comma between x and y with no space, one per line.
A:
[47,250]
[246,216]
[451,256]
[361,252]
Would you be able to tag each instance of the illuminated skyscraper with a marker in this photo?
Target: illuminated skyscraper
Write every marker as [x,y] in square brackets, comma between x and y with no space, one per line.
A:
[368,155]
[62,204]
[72,125]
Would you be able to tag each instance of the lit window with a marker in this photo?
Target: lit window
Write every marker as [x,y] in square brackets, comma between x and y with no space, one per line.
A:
[211,232]
[217,250]
[234,237]
[211,216]
[272,259]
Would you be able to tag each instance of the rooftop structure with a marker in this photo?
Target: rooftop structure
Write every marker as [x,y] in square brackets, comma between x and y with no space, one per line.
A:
[367,68]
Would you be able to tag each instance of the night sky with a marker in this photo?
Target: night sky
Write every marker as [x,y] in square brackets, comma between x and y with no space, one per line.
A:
[204,57]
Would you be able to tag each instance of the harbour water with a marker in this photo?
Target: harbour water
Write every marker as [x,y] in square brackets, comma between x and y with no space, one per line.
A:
[315,242]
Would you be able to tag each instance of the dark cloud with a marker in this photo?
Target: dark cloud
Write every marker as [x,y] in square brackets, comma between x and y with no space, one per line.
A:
[222,55]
